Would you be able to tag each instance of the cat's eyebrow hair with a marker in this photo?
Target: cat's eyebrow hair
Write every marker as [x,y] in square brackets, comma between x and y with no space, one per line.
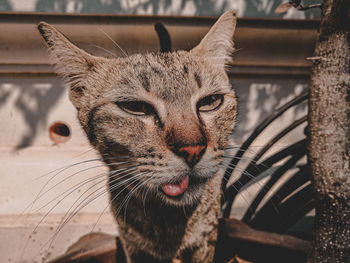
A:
[124,98]
[144,81]
[198,79]
[217,90]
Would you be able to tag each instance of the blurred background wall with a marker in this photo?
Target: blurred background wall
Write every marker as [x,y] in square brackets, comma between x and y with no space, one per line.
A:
[249,8]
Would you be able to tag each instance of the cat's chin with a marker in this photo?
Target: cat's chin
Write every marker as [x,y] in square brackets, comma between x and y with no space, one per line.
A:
[189,197]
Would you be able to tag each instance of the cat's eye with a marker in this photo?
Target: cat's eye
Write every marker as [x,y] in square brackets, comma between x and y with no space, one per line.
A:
[210,103]
[139,108]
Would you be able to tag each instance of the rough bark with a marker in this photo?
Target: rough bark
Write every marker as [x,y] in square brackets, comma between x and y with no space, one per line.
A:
[329,120]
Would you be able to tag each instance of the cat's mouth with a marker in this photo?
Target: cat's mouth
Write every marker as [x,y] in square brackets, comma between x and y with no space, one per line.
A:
[178,189]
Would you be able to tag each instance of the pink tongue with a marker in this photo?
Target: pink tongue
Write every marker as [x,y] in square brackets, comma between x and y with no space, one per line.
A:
[176,189]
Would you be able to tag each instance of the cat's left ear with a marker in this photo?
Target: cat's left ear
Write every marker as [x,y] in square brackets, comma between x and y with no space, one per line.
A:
[217,45]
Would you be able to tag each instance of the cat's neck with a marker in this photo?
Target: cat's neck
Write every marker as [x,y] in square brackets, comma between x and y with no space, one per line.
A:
[169,230]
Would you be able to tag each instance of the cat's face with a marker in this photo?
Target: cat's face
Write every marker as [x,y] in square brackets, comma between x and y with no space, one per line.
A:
[163,118]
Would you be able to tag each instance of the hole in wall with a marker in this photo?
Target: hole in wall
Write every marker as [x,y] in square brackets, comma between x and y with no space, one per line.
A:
[59,132]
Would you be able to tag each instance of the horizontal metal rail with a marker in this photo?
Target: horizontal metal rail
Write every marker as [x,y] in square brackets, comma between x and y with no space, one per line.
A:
[268,47]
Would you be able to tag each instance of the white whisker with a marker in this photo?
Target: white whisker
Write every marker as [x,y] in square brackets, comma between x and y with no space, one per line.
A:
[114,42]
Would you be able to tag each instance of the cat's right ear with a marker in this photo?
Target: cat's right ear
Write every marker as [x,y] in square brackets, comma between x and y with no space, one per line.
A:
[71,62]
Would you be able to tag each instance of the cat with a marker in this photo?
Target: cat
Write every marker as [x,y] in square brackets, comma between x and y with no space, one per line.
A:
[161,123]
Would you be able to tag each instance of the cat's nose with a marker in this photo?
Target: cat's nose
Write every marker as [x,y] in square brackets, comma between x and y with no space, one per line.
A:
[191,153]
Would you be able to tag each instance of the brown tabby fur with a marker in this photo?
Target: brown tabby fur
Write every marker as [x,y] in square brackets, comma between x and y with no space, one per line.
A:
[161,227]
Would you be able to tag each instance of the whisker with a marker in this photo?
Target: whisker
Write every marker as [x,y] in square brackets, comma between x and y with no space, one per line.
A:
[233,157]
[72,189]
[83,153]
[105,50]
[144,199]
[59,170]
[76,173]
[41,193]
[119,193]
[239,151]
[93,196]
[62,169]
[111,201]
[128,197]
[114,180]
[184,210]
[245,172]
[250,163]
[237,50]
[114,42]
[240,193]
[53,237]
[80,184]
[245,187]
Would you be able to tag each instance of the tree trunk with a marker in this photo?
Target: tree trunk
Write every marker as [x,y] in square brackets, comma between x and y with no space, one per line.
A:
[329,124]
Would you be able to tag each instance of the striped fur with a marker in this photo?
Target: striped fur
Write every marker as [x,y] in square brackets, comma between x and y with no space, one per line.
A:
[155,227]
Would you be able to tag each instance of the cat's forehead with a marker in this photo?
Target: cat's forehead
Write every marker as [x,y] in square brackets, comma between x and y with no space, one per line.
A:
[169,76]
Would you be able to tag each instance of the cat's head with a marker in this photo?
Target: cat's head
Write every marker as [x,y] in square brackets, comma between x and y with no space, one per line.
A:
[166,117]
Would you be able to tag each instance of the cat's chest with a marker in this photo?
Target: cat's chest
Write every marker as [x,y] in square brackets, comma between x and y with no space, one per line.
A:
[168,232]
[163,239]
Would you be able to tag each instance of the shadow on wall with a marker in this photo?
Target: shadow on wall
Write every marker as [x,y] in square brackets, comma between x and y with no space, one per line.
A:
[127,7]
[258,98]
[249,8]
[5,5]
[34,100]
[79,6]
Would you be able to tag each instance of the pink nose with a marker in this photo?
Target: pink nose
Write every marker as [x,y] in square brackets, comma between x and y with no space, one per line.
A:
[192,154]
